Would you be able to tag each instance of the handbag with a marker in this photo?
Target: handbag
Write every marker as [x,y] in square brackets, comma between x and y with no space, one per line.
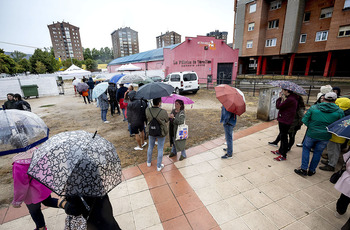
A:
[182,132]
[335,177]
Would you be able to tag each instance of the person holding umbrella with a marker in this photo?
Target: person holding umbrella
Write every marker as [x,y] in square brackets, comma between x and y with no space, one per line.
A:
[177,117]
[103,103]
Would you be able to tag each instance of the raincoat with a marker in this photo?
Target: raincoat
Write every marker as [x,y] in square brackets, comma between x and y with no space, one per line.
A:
[179,119]
[343,184]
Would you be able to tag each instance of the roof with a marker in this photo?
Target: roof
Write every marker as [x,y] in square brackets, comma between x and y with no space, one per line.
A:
[151,55]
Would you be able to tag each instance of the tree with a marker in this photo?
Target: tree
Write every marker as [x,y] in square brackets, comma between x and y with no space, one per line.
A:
[2,51]
[25,64]
[87,54]
[7,64]
[91,64]
[49,61]
[95,54]
[40,67]
[67,63]
[17,56]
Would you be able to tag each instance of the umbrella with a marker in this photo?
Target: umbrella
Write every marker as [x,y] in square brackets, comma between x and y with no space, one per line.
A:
[20,126]
[173,97]
[290,86]
[131,79]
[76,81]
[341,127]
[99,89]
[154,90]
[231,98]
[146,81]
[116,78]
[77,163]
[82,86]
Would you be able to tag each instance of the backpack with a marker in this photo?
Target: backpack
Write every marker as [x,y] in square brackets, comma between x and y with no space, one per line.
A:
[154,126]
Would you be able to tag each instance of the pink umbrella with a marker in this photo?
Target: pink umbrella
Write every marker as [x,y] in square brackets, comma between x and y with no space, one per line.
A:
[173,97]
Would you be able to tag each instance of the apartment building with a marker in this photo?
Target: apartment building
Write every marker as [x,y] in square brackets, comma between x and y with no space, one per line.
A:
[218,35]
[167,39]
[66,42]
[293,37]
[125,42]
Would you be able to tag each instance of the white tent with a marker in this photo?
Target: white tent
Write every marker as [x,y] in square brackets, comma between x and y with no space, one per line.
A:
[74,71]
[128,67]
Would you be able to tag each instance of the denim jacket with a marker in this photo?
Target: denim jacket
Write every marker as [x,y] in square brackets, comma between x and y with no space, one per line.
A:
[227,117]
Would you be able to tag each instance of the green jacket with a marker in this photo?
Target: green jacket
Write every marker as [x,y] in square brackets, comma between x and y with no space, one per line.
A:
[179,119]
[162,118]
[318,117]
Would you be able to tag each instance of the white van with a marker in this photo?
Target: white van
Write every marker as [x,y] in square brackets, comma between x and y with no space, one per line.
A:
[183,81]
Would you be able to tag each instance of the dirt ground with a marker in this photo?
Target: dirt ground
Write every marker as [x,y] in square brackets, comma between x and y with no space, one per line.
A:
[69,112]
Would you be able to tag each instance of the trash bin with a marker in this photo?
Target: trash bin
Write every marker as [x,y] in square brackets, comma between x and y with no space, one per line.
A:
[30,90]
[267,110]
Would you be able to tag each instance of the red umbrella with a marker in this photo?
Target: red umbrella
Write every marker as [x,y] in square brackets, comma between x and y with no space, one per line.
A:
[231,98]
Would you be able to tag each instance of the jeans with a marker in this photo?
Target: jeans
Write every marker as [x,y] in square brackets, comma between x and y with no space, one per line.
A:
[319,146]
[90,94]
[160,147]
[35,211]
[228,136]
[104,114]
[123,110]
[284,128]
[173,149]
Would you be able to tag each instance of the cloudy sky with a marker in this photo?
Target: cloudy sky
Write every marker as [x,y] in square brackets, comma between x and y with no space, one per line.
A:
[24,22]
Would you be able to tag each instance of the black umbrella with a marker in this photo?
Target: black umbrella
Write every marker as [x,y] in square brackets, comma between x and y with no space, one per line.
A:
[77,163]
[154,90]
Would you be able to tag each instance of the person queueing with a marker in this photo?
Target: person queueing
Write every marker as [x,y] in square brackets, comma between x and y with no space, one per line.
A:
[103,103]
[85,95]
[25,188]
[137,118]
[162,118]
[112,93]
[317,118]
[287,105]
[229,121]
[120,98]
[177,117]
[21,104]
[91,85]
[10,103]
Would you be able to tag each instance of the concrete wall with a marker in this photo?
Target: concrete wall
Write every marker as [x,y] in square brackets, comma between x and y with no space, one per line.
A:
[47,85]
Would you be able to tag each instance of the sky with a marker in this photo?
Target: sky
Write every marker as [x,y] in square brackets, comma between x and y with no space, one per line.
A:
[24,22]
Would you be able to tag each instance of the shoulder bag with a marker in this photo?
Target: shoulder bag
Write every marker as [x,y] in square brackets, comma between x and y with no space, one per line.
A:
[335,177]
[182,132]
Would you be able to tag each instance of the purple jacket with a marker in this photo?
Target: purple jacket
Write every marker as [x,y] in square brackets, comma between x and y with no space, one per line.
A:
[287,109]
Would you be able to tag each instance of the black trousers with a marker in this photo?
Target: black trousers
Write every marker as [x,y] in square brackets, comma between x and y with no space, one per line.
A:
[342,204]
[114,104]
[86,97]
[284,138]
[35,211]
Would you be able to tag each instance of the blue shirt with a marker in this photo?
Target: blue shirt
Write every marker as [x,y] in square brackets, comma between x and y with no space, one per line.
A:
[227,117]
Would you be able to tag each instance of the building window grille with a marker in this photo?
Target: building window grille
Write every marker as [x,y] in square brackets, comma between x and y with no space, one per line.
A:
[344,31]
[307,16]
[251,26]
[326,12]
[273,24]
[271,42]
[275,5]
[249,44]
[321,36]
[252,8]
[302,38]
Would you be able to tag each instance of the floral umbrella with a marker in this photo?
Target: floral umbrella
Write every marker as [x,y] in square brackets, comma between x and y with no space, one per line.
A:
[290,86]
[341,127]
[77,163]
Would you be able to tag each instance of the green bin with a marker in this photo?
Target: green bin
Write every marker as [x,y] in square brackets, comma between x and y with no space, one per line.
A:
[30,90]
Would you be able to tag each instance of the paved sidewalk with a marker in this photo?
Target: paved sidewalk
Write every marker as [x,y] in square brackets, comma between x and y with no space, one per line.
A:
[249,191]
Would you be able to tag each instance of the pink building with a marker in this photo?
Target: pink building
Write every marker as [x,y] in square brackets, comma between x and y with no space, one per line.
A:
[206,56]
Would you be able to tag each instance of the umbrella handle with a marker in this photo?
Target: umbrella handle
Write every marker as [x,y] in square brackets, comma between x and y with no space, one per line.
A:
[95,134]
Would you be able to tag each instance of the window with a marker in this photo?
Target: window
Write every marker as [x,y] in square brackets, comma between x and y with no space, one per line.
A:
[321,36]
[271,42]
[252,8]
[250,26]
[275,5]
[249,44]
[187,77]
[273,24]
[344,31]
[326,12]
[193,77]
[302,38]
[175,77]
[346,4]
[307,16]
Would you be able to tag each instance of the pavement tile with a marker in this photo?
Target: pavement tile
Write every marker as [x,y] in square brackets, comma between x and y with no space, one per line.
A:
[173,176]
[140,200]
[3,212]
[201,219]
[131,172]
[177,223]
[236,224]
[161,194]
[210,145]
[315,221]
[180,188]
[138,185]
[15,213]
[256,220]
[126,221]
[146,217]
[168,210]
[240,204]
[189,202]
[222,212]
[277,215]
[155,179]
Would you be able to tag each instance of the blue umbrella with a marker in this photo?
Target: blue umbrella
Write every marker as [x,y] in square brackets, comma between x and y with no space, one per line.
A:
[99,89]
[116,78]
[341,127]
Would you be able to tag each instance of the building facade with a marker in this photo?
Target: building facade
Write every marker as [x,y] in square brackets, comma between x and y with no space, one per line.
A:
[167,39]
[125,42]
[212,59]
[293,37]
[218,35]
[66,42]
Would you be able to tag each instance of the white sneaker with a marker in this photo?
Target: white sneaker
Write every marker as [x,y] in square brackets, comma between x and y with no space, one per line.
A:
[160,168]
[148,164]
[138,148]
[106,122]
[144,144]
